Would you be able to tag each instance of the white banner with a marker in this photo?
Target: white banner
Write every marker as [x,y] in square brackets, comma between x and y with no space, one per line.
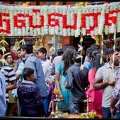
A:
[59,20]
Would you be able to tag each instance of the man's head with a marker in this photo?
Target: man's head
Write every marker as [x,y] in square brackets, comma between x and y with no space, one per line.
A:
[19,52]
[60,52]
[77,57]
[28,74]
[26,49]
[95,47]
[42,52]
[104,54]
[114,55]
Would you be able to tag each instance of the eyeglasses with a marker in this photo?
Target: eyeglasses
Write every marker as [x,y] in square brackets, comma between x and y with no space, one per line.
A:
[9,58]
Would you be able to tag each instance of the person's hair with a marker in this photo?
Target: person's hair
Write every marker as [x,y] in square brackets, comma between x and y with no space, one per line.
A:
[90,49]
[28,47]
[8,55]
[65,47]
[77,57]
[84,48]
[27,72]
[1,52]
[96,60]
[43,50]
[111,50]
[60,52]
[52,55]
[95,46]
[68,58]
[105,50]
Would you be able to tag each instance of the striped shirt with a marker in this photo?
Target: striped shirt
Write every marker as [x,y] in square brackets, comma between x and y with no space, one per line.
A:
[30,99]
[10,77]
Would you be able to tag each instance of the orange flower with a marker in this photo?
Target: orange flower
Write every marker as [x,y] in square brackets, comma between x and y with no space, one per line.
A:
[56,91]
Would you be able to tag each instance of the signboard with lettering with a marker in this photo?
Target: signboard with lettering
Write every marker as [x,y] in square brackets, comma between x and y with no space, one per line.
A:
[59,20]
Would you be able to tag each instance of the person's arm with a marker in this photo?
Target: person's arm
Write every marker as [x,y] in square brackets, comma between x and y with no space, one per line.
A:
[16,66]
[12,80]
[86,81]
[115,98]
[57,78]
[112,105]
[12,86]
[113,102]
[19,71]
[17,76]
[99,84]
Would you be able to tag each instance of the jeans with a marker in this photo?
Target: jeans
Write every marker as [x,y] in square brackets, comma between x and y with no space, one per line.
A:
[76,107]
[117,115]
[46,105]
[106,112]
[19,108]
[6,108]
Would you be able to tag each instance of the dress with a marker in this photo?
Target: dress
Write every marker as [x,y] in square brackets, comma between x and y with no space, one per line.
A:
[63,105]
[94,95]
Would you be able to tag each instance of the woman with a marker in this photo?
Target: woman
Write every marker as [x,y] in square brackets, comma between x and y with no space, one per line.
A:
[12,100]
[10,60]
[61,77]
[94,95]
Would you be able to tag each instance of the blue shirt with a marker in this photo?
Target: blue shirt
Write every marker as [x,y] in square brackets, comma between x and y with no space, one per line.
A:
[34,63]
[2,95]
[87,65]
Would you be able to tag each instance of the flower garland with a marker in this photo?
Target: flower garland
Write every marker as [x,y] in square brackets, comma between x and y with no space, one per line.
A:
[59,20]
[68,20]
[100,28]
[77,31]
[113,16]
[118,19]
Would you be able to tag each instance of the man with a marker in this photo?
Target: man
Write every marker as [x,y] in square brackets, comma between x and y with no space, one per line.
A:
[105,80]
[49,79]
[115,100]
[33,62]
[57,59]
[77,81]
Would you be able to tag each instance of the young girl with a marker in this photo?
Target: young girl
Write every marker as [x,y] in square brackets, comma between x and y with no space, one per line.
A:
[29,96]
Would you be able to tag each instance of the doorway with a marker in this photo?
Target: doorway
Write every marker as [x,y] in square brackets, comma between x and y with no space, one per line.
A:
[87,41]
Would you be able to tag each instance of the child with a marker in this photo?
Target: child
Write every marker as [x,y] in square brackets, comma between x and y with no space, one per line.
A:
[77,82]
[29,96]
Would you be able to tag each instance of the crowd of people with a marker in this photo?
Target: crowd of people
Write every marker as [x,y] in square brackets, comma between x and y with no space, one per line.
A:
[27,84]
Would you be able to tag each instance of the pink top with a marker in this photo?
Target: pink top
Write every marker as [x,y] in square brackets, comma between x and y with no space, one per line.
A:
[94,95]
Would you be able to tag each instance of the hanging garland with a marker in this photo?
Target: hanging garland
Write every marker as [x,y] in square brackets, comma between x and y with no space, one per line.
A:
[59,20]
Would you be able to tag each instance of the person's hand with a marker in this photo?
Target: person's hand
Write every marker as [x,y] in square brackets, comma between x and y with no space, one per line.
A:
[112,110]
[61,97]
[87,87]
[109,82]
[50,82]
